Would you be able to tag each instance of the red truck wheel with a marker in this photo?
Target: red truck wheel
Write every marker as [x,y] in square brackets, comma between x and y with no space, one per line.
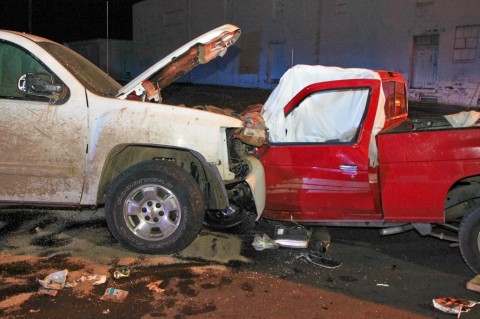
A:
[154,207]
[469,238]
[242,216]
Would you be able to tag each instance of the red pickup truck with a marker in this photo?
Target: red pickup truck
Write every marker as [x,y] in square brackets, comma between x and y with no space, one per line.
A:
[342,152]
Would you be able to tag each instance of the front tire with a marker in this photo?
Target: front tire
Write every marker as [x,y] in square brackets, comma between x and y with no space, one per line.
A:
[154,207]
[469,238]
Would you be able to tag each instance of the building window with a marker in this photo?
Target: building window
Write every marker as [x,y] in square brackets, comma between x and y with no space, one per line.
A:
[424,3]
[278,9]
[340,7]
[174,17]
[466,43]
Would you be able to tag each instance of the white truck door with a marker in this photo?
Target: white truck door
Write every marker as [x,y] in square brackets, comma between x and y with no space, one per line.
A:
[42,141]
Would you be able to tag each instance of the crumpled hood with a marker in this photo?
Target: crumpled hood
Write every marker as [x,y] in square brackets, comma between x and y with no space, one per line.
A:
[198,51]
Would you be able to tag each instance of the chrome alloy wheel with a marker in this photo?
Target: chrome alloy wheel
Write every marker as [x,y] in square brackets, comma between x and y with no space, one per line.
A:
[152,212]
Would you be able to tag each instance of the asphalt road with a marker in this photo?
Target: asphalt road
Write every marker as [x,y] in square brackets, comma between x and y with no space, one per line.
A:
[221,276]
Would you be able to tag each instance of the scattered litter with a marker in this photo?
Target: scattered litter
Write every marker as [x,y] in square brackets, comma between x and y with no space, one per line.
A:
[115,295]
[121,273]
[154,286]
[45,291]
[58,280]
[98,279]
[55,280]
[383,285]
[319,260]
[293,237]
[71,284]
[34,310]
[263,242]
[453,306]
[463,119]
[106,311]
[474,284]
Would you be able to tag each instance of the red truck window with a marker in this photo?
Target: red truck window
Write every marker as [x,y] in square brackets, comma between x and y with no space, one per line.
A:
[395,100]
[401,96]
[327,116]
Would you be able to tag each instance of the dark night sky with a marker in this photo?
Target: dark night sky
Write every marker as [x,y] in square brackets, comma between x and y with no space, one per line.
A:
[69,20]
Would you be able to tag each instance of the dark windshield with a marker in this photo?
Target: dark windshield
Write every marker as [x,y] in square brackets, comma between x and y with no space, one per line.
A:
[94,79]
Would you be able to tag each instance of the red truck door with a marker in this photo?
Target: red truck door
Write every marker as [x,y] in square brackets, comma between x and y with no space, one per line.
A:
[324,180]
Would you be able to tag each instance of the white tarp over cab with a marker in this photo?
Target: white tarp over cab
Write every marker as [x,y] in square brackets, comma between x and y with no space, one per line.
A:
[327,117]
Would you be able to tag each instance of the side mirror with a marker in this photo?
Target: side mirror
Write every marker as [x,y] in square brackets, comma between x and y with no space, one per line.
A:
[39,84]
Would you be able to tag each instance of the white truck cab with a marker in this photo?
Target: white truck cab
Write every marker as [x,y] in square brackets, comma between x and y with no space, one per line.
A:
[72,136]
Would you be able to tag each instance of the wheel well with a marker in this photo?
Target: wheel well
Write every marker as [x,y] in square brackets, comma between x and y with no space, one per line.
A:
[123,156]
[463,195]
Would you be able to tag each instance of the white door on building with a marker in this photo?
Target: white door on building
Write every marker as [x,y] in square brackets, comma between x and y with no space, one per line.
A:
[425,61]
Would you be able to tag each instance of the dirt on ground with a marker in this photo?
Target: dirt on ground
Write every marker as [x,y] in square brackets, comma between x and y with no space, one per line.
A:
[207,280]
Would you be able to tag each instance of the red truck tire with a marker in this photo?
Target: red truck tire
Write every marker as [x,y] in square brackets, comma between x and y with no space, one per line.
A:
[469,238]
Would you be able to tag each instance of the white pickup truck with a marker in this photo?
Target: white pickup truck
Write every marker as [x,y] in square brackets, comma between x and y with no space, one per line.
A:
[70,136]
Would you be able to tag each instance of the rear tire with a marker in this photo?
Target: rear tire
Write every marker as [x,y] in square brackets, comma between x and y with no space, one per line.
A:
[469,239]
[154,207]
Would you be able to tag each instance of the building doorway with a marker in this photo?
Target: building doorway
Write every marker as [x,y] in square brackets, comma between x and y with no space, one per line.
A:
[425,62]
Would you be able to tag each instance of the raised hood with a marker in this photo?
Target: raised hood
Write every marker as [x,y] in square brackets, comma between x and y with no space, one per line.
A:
[198,51]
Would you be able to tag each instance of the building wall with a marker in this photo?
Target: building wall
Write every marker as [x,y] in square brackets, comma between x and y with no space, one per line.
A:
[414,37]
[120,56]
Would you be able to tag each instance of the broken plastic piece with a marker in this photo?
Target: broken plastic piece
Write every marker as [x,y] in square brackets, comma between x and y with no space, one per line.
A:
[293,237]
[99,279]
[263,242]
[474,284]
[319,260]
[115,295]
[71,284]
[453,305]
[55,280]
[154,286]
[45,291]
[463,119]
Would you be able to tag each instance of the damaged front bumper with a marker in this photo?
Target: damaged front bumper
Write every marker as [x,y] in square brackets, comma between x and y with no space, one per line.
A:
[256,181]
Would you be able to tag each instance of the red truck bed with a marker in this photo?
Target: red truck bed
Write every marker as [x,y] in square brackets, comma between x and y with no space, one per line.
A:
[418,168]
